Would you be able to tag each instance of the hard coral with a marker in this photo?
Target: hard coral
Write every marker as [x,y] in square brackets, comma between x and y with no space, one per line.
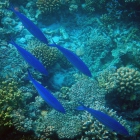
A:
[48,56]
[106,79]
[128,80]
[93,5]
[93,129]
[4,3]
[48,6]
[9,100]
[125,80]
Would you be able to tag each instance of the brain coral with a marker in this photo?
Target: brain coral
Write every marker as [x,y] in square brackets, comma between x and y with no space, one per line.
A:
[47,55]
[128,80]
[123,87]
[125,80]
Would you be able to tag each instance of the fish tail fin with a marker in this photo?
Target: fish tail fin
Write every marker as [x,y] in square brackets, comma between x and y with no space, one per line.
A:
[81,107]
[10,7]
[29,74]
[53,45]
[12,42]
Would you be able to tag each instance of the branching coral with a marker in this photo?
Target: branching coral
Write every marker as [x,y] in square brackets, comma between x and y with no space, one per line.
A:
[10,98]
[20,121]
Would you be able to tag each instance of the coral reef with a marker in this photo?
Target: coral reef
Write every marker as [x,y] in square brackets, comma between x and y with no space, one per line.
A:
[106,79]
[48,56]
[10,98]
[13,65]
[132,1]
[93,129]
[106,20]
[92,6]
[125,80]
[20,121]
[128,81]
[95,30]
[48,6]
[137,128]
[4,3]
[49,123]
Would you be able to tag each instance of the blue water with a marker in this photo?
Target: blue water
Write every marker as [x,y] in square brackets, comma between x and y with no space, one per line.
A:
[105,35]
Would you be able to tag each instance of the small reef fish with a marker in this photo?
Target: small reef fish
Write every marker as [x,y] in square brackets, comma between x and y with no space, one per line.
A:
[108,121]
[46,95]
[74,59]
[30,26]
[30,59]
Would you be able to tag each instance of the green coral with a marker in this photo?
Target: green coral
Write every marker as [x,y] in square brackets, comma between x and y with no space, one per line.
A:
[10,97]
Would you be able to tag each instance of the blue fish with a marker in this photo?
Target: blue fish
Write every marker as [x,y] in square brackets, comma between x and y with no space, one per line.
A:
[46,95]
[35,31]
[106,120]
[30,26]
[30,59]
[74,59]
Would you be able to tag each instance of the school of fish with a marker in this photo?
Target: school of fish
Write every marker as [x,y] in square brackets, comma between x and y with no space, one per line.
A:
[106,120]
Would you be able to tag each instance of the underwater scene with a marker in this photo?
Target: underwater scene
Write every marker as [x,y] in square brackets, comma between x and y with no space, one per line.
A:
[70,70]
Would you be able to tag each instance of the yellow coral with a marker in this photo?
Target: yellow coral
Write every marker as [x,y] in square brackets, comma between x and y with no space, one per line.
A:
[128,80]
[106,80]
[9,100]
